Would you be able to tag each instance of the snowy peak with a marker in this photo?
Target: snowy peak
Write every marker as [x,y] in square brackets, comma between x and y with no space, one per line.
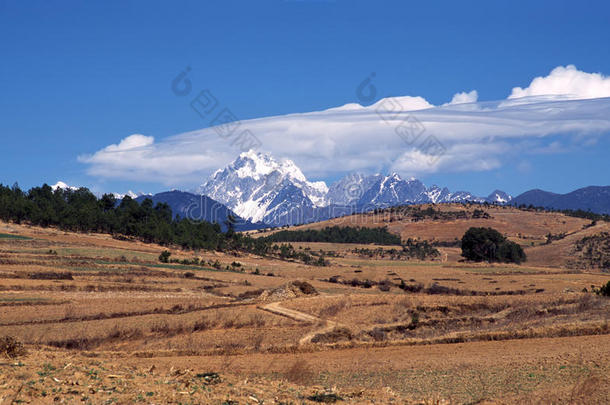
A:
[251,184]
[391,190]
[62,186]
[257,165]
[437,194]
[129,193]
[499,196]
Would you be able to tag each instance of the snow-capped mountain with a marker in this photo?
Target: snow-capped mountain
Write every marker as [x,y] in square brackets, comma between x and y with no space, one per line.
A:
[257,187]
[385,191]
[350,189]
[63,186]
[129,193]
[499,197]
[261,189]
[437,194]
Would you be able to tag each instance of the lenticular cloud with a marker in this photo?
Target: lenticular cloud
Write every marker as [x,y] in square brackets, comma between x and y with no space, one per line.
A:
[406,134]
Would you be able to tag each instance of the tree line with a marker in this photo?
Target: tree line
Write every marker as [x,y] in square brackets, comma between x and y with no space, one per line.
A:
[579,213]
[338,234]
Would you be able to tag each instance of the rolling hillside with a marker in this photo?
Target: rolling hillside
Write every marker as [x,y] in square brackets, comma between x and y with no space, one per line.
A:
[448,224]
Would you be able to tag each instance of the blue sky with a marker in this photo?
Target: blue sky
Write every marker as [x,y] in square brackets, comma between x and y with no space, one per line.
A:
[76,77]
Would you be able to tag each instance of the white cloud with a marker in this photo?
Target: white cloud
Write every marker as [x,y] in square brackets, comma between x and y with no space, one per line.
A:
[403,103]
[474,137]
[566,81]
[459,158]
[131,142]
[139,158]
[463,97]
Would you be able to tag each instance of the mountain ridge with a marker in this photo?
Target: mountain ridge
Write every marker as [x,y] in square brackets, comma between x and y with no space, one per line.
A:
[590,198]
[261,189]
[198,207]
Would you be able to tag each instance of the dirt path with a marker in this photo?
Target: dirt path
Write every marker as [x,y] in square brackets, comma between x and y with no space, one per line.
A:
[276,308]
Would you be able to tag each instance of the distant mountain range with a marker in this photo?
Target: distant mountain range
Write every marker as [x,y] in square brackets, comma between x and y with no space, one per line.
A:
[593,198]
[259,191]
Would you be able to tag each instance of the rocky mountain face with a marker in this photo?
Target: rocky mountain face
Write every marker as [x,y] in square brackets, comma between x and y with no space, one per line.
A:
[261,189]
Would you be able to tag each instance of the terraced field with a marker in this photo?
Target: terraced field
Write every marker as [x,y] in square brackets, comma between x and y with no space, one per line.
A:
[103,320]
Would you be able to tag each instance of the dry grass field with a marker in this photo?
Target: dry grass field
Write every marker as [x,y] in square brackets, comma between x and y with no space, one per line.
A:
[104,321]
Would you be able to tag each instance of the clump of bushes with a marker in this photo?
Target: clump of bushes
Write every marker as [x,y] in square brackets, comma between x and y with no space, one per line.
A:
[305,287]
[325,397]
[487,244]
[604,290]
[594,251]
[414,288]
[336,335]
[164,256]
[411,249]
[11,347]
[384,285]
[50,275]
[287,251]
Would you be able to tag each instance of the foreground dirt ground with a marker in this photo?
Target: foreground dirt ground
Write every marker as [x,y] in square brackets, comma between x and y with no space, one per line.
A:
[549,370]
[104,321]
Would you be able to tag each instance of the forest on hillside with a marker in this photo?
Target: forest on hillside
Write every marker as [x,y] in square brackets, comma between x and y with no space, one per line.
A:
[81,211]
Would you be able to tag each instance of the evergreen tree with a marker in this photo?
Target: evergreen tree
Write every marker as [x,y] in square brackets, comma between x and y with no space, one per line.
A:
[487,244]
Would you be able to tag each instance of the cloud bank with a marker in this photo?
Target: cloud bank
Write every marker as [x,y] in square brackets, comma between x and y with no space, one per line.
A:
[405,134]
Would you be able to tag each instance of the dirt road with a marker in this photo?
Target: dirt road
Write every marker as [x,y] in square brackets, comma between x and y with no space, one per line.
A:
[277,309]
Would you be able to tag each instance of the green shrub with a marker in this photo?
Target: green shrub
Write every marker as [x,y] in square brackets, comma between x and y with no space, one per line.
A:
[164,256]
[487,244]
